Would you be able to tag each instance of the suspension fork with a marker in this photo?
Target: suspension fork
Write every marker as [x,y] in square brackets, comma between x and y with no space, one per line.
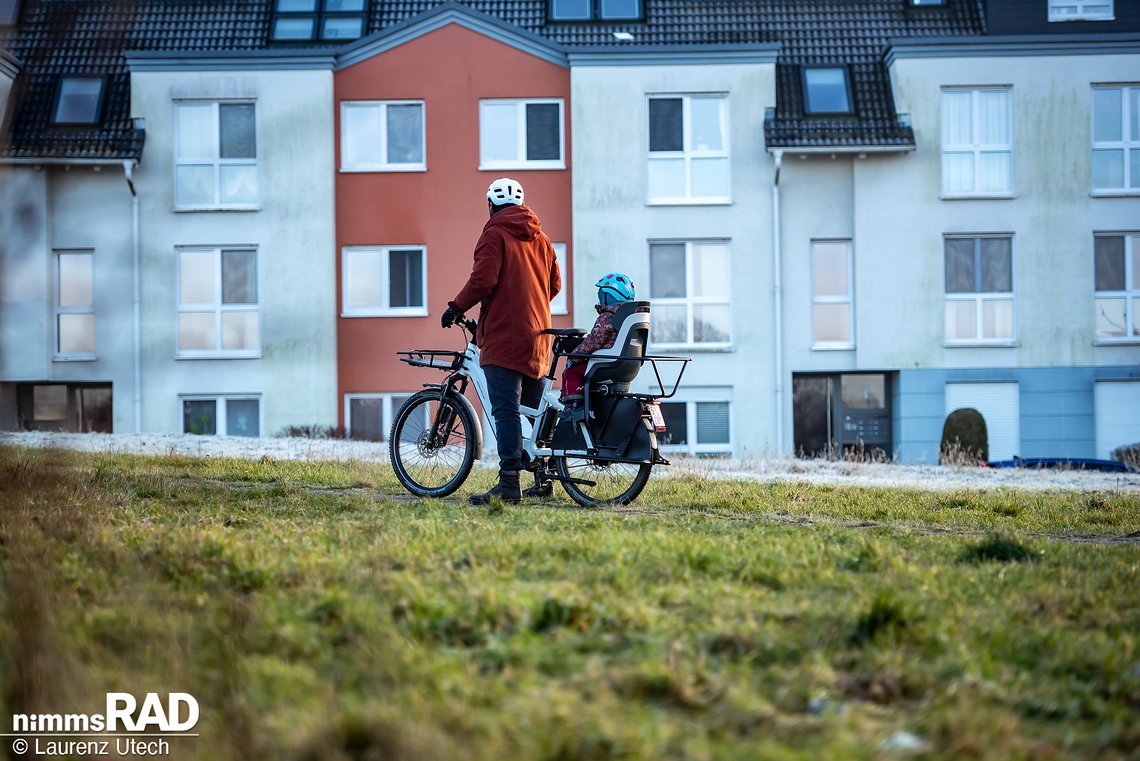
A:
[444,419]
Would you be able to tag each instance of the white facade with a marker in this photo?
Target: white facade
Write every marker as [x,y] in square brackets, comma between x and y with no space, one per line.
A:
[283,361]
[616,223]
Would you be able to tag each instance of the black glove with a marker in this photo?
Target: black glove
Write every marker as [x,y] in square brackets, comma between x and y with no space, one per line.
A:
[451,315]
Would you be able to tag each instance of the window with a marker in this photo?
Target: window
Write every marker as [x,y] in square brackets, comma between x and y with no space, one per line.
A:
[517,134]
[334,20]
[380,136]
[688,149]
[370,416]
[979,290]
[832,316]
[1117,274]
[585,10]
[1116,138]
[1080,10]
[927,3]
[215,164]
[384,281]
[79,100]
[977,149]
[560,303]
[9,12]
[689,290]
[218,303]
[827,90]
[74,305]
[697,426]
[217,415]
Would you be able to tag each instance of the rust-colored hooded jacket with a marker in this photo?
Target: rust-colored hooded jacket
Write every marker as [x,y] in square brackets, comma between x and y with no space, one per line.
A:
[514,277]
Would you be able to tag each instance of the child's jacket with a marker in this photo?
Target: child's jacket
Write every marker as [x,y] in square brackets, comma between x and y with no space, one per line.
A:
[603,334]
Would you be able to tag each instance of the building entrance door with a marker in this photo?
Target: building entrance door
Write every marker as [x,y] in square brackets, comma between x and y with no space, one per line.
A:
[839,414]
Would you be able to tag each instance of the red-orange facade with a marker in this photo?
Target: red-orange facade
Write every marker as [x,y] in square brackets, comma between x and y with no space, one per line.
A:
[441,208]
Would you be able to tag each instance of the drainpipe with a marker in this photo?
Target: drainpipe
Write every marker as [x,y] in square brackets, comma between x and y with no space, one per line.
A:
[136,254]
[778,305]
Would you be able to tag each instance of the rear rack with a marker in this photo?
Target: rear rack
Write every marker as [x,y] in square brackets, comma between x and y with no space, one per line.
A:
[438,359]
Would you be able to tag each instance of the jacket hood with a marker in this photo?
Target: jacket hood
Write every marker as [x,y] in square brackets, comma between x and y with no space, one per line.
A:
[517,221]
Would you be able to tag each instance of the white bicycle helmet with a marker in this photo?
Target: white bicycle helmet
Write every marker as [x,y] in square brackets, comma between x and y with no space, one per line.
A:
[505,191]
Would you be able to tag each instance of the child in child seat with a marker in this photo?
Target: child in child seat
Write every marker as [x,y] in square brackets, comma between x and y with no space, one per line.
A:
[614,290]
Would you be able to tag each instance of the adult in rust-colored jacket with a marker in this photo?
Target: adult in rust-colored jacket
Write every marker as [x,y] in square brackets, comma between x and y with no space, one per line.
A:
[513,279]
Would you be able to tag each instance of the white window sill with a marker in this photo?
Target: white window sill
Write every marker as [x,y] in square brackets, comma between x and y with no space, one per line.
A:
[196,209]
[708,348]
[1109,342]
[383,168]
[74,358]
[217,355]
[524,166]
[386,313]
[1080,17]
[689,202]
[1012,344]
[1120,193]
[979,197]
[833,347]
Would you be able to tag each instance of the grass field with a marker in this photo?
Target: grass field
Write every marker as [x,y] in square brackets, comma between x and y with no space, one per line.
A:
[317,612]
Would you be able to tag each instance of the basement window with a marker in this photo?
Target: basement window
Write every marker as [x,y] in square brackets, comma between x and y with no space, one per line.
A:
[79,100]
[323,20]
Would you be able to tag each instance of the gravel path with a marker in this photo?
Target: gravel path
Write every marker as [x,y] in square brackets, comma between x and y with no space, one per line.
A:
[766,470]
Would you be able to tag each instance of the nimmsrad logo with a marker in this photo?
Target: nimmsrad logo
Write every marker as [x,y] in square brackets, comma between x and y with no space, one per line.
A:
[179,714]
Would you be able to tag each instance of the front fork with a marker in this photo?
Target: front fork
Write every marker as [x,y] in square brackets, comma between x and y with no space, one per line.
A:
[444,419]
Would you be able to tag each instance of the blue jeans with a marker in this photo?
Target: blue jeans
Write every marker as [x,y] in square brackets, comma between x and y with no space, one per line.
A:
[505,387]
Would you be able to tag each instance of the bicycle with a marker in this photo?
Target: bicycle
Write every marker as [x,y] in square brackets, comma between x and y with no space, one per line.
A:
[605,459]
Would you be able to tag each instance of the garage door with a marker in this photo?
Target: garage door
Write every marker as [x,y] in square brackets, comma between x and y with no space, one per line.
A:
[1000,405]
[1117,416]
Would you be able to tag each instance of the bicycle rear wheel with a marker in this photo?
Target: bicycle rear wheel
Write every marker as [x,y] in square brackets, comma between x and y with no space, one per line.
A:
[616,483]
[432,444]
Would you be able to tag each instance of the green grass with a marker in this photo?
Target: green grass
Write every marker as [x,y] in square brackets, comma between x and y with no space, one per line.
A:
[316,611]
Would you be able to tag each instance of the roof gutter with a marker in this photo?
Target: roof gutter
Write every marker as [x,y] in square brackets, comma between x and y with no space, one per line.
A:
[841,149]
[56,161]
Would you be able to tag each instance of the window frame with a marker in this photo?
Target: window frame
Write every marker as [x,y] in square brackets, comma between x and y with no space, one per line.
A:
[58,310]
[1131,296]
[687,154]
[849,299]
[521,163]
[977,148]
[218,307]
[385,252]
[980,297]
[560,304]
[692,399]
[1080,15]
[100,103]
[216,162]
[690,302]
[319,15]
[1125,144]
[805,89]
[221,420]
[593,13]
[388,409]
[384,166]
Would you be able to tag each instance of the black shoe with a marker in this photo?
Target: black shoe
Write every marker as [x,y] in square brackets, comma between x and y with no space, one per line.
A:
[541,490]
[507,491]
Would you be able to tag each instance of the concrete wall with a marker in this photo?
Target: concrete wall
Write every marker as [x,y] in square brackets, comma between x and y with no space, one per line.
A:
[613,224]
[295,374]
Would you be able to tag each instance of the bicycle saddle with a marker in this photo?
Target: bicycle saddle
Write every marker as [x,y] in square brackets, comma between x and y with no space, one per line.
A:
[572,332]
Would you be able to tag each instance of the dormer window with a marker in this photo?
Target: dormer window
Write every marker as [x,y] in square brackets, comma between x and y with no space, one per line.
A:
[1080,10]
[9,12]
[320,20]
[590,10]
[827,90]
[925,3]
[79,100]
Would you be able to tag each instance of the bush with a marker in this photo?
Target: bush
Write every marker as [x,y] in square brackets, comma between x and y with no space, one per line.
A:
[1129,455]
[964,440]
[313,432]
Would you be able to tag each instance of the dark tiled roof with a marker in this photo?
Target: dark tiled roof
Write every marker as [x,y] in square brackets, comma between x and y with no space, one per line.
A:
[90,36]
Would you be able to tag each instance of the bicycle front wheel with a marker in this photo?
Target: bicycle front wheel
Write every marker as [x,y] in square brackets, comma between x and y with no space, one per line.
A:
[616,483]
[432,444]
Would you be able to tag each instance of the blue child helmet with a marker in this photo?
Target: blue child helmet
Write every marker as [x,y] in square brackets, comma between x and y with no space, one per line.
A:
[615,288]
